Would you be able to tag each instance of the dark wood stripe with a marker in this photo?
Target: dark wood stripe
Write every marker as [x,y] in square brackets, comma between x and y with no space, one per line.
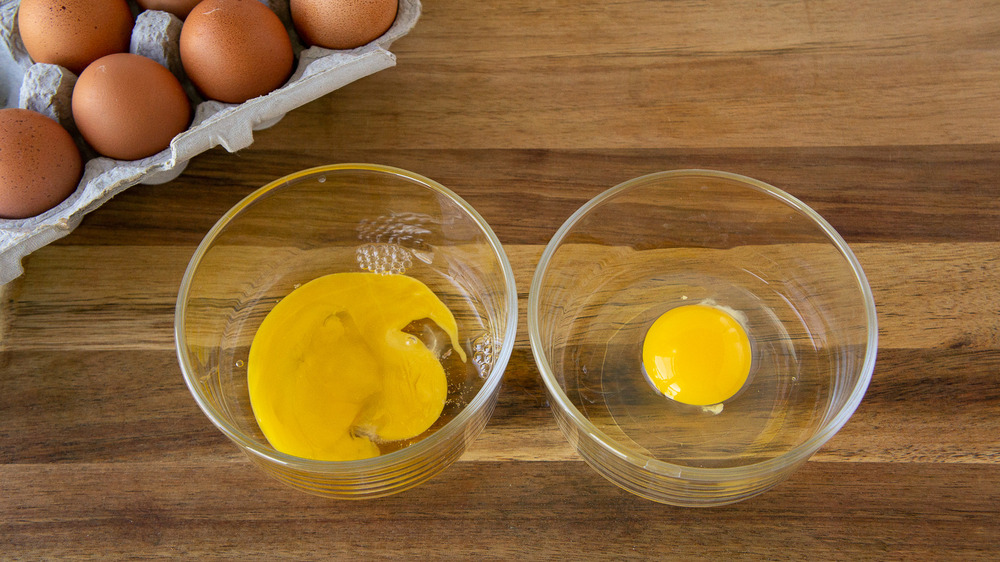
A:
[869,194]
[497,510]
[103,406]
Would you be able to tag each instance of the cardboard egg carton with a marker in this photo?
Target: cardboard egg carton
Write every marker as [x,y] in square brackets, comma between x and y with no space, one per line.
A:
[47,89]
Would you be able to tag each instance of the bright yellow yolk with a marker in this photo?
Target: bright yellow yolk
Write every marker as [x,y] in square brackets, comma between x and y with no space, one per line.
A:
[331,371]
[697,354]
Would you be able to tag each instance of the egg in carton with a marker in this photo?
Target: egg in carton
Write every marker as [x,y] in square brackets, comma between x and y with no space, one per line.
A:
[48,89]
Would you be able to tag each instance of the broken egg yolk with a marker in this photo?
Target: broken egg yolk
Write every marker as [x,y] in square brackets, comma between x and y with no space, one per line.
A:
[332,373]
[697,354]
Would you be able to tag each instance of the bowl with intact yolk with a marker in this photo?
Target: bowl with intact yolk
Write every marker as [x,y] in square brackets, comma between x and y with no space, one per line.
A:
[348,327]
[700,334]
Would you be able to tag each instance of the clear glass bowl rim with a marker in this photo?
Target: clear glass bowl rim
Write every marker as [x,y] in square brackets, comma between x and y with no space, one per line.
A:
[407,455]
[665,469]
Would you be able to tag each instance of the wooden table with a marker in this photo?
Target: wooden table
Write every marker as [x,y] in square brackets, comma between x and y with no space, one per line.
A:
[884,116]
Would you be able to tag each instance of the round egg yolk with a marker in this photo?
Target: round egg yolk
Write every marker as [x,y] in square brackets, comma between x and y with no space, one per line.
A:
[697,354]
[332,373]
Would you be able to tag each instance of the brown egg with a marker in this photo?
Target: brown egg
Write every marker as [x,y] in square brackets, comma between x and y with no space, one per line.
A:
[40,165]
[179,8]
[342,24]
[74,33]
[234,50]
[129,107]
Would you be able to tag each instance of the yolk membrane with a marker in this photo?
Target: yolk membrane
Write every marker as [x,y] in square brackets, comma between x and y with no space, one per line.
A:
[697,354]
[331,373]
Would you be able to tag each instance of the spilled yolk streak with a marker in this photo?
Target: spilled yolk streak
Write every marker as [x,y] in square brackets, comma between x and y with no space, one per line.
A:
[331,372]
[697,354]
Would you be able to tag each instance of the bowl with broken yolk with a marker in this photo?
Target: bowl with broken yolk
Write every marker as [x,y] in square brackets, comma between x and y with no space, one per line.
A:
[348,327]
[700,334]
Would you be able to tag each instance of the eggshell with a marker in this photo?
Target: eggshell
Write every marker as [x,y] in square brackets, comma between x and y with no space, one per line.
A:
[215,124]
[235,50]
[40,165]
[342,24]
[179,8]
[129,107]
[74,33]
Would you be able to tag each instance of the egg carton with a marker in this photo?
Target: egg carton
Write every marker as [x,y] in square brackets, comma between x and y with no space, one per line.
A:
[318,72]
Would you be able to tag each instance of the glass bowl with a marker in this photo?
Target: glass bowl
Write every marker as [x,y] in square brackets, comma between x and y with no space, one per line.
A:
[683,237]
[349,217]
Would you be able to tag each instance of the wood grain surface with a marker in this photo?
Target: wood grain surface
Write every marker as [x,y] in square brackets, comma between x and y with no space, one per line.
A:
[884,116]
